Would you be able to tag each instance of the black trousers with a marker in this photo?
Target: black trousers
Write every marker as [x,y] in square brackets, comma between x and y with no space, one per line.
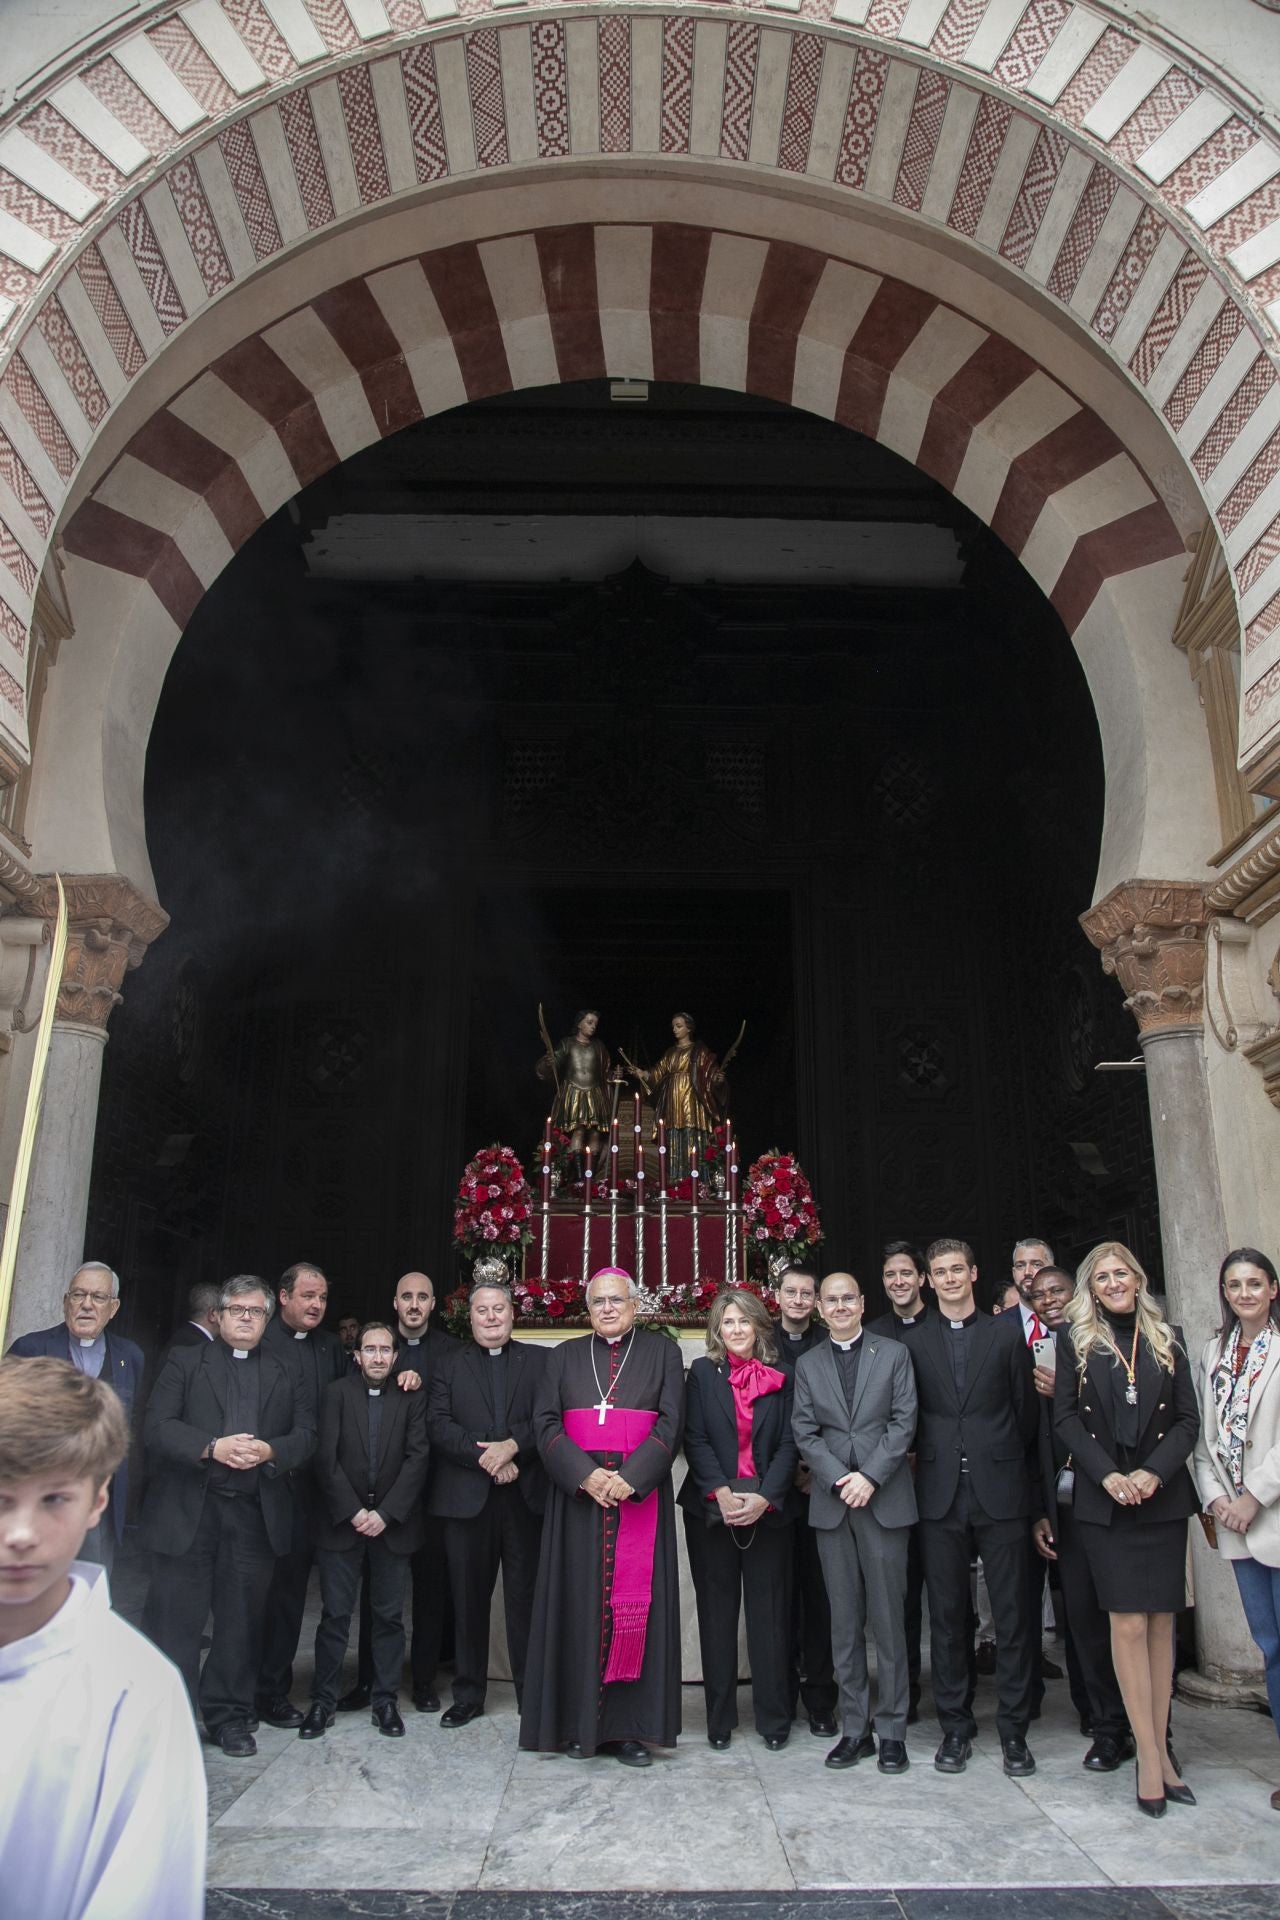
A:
[811,1676]
[727,1575]
[504,1535]
[914,1613]
[1090,1631]
[287,1600]
[340,1571]
[227,1568]
[430,1602]
[948,1545]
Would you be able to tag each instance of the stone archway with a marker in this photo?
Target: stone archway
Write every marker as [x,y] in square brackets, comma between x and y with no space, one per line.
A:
[1075,156]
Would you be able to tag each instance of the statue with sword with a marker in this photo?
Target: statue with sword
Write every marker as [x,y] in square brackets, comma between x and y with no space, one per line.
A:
[578,1069]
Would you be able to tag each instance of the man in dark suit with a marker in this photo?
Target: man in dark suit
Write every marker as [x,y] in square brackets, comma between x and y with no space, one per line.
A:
[421,1350]
[201,1323]
[902,1276]
[227,1426]
[974,1477]
[489,1490]
[1088,1628]
[296,1337]
[855,1417]
[83,1338]
[370,1468]
[812,1675]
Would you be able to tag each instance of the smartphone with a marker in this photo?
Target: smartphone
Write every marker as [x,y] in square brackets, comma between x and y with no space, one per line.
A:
[1045,1353]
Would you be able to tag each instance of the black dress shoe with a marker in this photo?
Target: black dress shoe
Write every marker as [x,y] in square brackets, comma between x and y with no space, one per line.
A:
[425,1700]
[1049,1669]
[893,1756]
[1017,1760]
[234,1737]
[386,1718]
[1104,1756]
[1181,1796]
[317,1723]
[775,1742]
[353,1701]
[953,1755]
[719,1741]
[279,1712]
[630,1752]
[848,1752]
[823,1724]
[572,1750]
[458,1715]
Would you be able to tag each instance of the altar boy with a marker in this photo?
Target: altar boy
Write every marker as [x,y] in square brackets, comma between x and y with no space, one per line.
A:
[102,1809]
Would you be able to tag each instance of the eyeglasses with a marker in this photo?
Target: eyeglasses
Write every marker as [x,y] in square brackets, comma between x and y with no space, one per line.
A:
[246,1313]
[377,1353]
[79,1298]
[608,1302]
[843,1300]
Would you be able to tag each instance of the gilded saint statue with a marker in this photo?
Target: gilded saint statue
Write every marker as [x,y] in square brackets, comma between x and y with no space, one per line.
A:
[579,1066]
[687,1088]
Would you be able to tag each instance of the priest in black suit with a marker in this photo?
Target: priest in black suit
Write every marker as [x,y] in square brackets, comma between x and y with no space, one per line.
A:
[489,1489]
[604,1647]
[227,1425]
[812,1677]
[975,1474]
[370,1468]
[296,1336]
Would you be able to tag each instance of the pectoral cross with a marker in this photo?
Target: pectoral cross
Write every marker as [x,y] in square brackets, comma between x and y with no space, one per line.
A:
[602,1408]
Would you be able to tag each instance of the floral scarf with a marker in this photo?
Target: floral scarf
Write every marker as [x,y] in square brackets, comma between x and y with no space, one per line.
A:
[1231,1391]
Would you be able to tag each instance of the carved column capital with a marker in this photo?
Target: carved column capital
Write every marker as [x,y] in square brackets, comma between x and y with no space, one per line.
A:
[1151,935]
[110,925]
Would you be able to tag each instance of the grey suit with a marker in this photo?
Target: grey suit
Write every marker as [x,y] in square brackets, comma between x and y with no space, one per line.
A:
[863,1549]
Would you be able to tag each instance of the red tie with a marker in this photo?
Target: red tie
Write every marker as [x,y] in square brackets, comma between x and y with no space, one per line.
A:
[1035,1331]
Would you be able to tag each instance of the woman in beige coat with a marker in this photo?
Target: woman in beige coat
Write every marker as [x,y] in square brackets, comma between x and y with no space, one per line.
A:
[1237,1457]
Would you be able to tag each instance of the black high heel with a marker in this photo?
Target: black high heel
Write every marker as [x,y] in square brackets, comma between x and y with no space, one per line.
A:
[1181,1796]
[1155,1809]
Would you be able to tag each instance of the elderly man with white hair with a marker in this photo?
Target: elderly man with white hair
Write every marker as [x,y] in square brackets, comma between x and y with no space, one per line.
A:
[603,1673]
[82,1338]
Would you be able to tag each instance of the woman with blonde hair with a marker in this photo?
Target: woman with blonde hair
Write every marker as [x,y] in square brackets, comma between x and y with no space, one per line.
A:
[739,1500]
[1127,1410]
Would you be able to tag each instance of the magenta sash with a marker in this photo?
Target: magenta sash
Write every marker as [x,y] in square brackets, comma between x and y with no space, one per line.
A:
[631,1590]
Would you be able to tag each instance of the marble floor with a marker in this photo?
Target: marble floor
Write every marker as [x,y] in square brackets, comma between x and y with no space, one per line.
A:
[445,1812]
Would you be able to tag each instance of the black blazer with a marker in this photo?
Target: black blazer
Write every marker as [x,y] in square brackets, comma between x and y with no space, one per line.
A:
[711,1444]
[342,1465]
[189,1335]
[789,1355]
[426,1356]
[330,1356]
[994,1427]
[460,1411]
[186,1410]
[122,1367]
[1168,1426]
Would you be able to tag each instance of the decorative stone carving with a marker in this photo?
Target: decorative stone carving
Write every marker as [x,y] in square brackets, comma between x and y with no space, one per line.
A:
[1264,1053]
[1151,935]
[110,926]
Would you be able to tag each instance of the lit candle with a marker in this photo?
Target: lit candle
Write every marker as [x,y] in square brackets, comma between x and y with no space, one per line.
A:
[588,1171]
[662,1156]
[546,1134]
[613,1155]
[731,1154]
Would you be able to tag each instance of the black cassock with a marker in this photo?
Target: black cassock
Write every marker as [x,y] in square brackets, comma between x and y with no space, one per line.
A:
[565,1696]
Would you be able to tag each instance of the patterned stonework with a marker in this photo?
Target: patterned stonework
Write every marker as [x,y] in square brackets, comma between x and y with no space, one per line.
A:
[168,170]
[1152,938]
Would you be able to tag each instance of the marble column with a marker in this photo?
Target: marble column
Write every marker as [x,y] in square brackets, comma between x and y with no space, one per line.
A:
[1152,939]
[110,926]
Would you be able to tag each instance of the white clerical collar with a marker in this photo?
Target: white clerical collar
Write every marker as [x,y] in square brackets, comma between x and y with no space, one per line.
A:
[413,1339]
[89,1343]
[957,1325]
[302,1335]
[374,1392]
[239,1353]
[612,1339]
[846,1346]
[909,1319]
[795,1336]
[496,1353]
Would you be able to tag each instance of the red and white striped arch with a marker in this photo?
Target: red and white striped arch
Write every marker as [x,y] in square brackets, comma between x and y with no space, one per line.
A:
[1051,142]
[665,302]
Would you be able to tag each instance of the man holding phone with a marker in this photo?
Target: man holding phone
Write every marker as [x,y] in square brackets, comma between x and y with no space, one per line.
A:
[1088,1627]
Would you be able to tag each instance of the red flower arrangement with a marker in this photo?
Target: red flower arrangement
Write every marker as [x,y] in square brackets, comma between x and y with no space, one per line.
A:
[550,1303]
[779,1211]
[494,1204]
[561,1161]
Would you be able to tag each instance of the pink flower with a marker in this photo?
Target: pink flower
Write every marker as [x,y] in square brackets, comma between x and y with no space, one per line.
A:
[762,1233]
[491,1233]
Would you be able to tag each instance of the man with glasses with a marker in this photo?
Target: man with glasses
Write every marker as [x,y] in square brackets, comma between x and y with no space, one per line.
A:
[89,1305]
[603,1673]
[226,1425]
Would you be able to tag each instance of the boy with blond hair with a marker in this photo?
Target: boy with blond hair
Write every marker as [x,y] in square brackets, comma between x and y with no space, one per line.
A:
[102,1797]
